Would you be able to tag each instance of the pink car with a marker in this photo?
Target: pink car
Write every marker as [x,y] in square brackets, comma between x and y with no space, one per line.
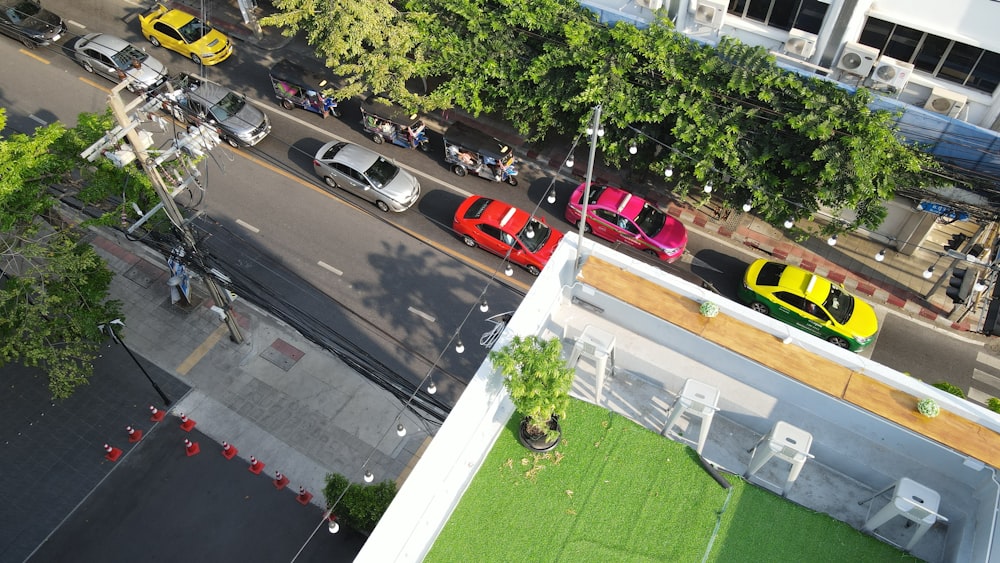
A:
[618,216]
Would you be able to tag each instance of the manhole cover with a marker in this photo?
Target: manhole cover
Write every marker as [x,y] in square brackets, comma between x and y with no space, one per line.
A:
[282,354]
[144,273]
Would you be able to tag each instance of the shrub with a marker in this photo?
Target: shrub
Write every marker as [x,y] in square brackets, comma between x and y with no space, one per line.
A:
[949,388]
[709,309]
[362,506]
[993,404]
[928,408]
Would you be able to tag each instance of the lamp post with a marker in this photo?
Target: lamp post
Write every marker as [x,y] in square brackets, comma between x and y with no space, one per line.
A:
[594,128]
[111,328]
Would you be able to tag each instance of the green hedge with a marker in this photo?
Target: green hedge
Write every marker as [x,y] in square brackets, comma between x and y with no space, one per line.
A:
[993,404]
[362,506]
[949,388]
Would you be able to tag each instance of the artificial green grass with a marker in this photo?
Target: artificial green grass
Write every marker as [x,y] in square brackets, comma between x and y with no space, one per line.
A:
[615,491]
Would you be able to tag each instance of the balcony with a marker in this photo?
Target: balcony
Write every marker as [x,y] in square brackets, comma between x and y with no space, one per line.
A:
[866,433]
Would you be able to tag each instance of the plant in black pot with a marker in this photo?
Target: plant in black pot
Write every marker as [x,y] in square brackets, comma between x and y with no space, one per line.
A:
[538,380]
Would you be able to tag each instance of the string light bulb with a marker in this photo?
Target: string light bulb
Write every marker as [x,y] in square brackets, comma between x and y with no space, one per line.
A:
[400,430]
[928,272]
[632,149]
[551,197]
[708,188]
[333,526]
[460,347]
[484,306]
[508,269]
[668,172]
[789,223]
[832,241]
[880,256]
[570,162]
[529,232]
[431,389]
[369,477]
[747,206]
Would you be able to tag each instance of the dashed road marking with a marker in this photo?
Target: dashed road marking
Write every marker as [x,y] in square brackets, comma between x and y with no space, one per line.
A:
[94,84]
[978,396]
[984,358]
[247,226]
[983,377]
[37,119]
[36,57]
[77,24]
[420,313]
[326,266]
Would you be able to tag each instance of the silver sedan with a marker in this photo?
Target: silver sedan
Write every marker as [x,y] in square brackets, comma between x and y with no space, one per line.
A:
[367,175]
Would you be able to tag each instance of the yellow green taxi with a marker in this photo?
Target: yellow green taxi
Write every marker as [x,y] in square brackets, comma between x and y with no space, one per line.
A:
[181,32]
[810,303]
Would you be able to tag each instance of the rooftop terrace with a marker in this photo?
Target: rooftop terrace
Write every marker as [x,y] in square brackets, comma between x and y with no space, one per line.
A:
[861,415]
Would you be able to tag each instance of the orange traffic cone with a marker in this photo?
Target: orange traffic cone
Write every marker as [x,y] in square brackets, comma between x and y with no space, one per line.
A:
[255,466]
[157,414]
[280,480]
[111,454]
[133,435]
[186,423]
[191,448]
[229,451]
[304,496]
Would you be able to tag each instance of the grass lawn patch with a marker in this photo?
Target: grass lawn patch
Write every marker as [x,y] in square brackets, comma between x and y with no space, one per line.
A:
[615,491]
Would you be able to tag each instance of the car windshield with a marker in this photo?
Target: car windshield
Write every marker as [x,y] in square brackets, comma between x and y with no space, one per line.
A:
[227,107]
[651,220]
[839,304]
[382,172]
[194,30]
[595,194]
[770,273]
[124,59]
[542,233]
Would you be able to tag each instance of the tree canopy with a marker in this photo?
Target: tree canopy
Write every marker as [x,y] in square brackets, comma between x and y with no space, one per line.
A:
[788,144]
[54,289]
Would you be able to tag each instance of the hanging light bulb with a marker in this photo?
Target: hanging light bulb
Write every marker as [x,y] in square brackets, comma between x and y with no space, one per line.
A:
[529,232]
[928,272]
[460,347]
[484,306]
[789,223]
[708,188]
[832,241]
[600,131]
[880,256]
[668,172]
[400,430]
[632,149]
[369,477]
[333,526]
[979,287]
[747,206]
[431,389]
[551,197]
[508,269]
[590,130]
[570,162]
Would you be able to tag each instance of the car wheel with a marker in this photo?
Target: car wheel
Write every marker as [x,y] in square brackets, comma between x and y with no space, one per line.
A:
[287,104]
[154,41]
[232,142]
[459,170]
[468,241]
[512,180]
[330,181]
[840,341]
[586,227]
[383,206]
[87,67]
[28,43]
[533,270]
[760,308]
[652,252]
[195,59]
[378,139]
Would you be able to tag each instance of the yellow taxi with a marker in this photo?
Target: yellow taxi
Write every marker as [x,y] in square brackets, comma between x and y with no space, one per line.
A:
[809,302]
[181,32]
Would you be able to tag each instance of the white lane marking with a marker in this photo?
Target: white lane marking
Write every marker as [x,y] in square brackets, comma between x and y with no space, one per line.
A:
[77,24]
[326,266]
[984,358]
[983,377]
[37,119]
[333,136]
[247,226]
[420,313]
[978,396]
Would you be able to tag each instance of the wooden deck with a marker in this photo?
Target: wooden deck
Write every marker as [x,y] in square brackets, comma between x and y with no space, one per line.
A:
[951,430]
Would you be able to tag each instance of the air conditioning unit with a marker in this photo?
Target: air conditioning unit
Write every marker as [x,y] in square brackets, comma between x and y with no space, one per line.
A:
[857,58]
[800,43]
[892,72]
[711,13]
[650,4]
[945,102]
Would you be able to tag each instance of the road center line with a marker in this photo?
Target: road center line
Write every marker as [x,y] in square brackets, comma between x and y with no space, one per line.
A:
[420,313]
[247,226]
[37,119]
[326,266]
[34,56]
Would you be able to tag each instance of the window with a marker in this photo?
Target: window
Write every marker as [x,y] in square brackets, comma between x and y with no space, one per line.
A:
[943,58]
[165,29]
[806,15]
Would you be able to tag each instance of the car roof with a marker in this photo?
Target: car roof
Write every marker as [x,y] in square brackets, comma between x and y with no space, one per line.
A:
[474,140]
[497,211]
[209,92]
[804,282]
[358,157]
[625,203]
[109,42]
[176,18]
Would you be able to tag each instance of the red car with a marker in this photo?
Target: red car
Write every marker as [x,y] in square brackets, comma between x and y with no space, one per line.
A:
[497,227]
[619,216]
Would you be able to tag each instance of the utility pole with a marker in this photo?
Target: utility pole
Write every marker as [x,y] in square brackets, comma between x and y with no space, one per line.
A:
[121,114]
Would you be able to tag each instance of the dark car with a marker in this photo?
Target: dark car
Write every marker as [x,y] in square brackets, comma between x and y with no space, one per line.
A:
[28,22]
[197,100]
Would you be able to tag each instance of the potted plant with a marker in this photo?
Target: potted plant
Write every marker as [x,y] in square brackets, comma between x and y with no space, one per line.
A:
[708,309]
[928,407]
[538,380]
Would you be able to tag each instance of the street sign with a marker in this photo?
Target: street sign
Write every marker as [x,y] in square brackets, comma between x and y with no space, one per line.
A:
[943,210]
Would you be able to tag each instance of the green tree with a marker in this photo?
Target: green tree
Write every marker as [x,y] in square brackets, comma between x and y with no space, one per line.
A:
[54,291]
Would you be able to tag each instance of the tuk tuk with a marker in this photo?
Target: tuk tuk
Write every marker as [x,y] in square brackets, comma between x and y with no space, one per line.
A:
[469,150]
[297,88]
[387,122]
